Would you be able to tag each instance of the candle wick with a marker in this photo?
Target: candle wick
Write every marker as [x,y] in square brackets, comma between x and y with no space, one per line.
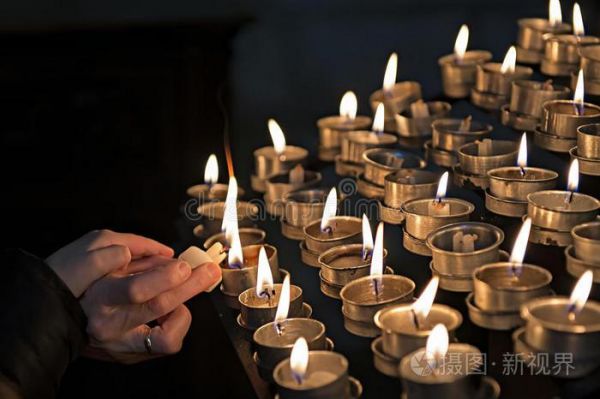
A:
[569,198]
[579,108]
[297,378]
[522,169]
[366,254]
[279,328]
[415,319]
[376,288]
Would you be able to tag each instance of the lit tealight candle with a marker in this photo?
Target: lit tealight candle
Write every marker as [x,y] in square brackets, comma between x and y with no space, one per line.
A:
[211,189]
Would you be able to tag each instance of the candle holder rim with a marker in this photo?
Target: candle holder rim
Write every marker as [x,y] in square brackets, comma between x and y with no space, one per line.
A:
[444,108]
[499,265]
[192,190]
[339,248]
[366,158]
[450,58]
[289,196]
[251,209]
[325,240]
[584,40]
[535,22]
[390,138]
[321,325]
[327,122]
[539,86]
[573,153]
[260,233]
[585,104]
[531,198]
[298,294]
[520,71]
[302,152]
[582,129]
[503,142]
[313,177]
[470,207]
[431,236]
[285,362]
[527,314]
[435,176]
[483,128]
[399,277]
[588,52]
[377,319]
[575,232]
[493,174]
[412,84]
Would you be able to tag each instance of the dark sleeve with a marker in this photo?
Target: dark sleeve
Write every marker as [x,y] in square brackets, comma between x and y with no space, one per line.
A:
[42,326]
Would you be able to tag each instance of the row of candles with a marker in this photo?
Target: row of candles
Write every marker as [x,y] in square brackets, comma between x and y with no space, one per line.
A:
[506,293]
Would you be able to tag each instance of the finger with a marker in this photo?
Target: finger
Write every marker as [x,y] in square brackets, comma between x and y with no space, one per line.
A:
[146,263]
[132,316]
[96,264]
[138,245]
[142,287]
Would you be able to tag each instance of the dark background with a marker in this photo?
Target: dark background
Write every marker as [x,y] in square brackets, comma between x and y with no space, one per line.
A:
[110,108]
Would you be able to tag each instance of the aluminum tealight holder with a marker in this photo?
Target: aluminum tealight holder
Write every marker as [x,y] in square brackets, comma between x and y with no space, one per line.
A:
[301,208]
[587,151]
[350,162]
[477,158]
[248,236]
[333,128]
[530,39]
[590,65]
[212,213]
[277,186]
[380,162]
[449,135]
[267,163]
[458,75]
[561,53]
[493,87]
[560,120]
[458,249]
[396,100]
[405,185]
[256,311]
[416,122]
[527,97]
[582,255]
[346,230]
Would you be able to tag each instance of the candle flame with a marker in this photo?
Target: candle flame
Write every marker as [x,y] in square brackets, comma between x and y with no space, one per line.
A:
[578,28]
[329,210]
[462,40]
[283,306]
[579,94]
[437,345]
[580,293]
[349,105]
[230,217]
[573,181]
[389,78]
[376,271]
[277,136]
[235,255]
[367,237]
[379,119]
[211,170]
[522,157]
[422,306]
[518,252]
[299,359]
[442,187]
[554,12]
[510,61]
[264,278]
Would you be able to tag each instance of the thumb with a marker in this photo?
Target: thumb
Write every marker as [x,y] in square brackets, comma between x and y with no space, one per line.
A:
[97,264]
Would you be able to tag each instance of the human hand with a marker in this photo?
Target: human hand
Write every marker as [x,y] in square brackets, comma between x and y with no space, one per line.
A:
[120,305]
[98,253]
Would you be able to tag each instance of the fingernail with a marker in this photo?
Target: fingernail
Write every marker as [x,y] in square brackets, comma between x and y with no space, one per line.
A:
[213,270]
[185,269]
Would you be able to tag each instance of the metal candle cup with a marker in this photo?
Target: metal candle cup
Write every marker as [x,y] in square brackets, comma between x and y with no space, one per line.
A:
[408,125]
[238,279]
[505,286]
[354,144]
[278,186]
[448,136]
[576,267]
[257,311]
[248,236]
[548,329]
[300,208]
[473,166]
[267,163]
[530,39]
[326,377]
[360,302]
[409,184]
[345,263]
[492,87]
[459,380]
[217,191]
[586,242]
[590,62]
[552,209]
[419,222]
[380,162]
[212,213]
[449,260]
[397,99]
[458,76]
[399,334]
[508,190]
[561,53]
[346,230]
[526,101]
[273,347]
[333,128]
[588,141]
